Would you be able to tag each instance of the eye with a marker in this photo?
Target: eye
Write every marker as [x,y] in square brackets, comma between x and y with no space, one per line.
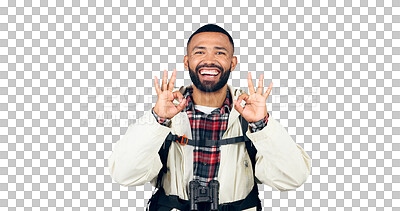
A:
[198,52]
[220,53]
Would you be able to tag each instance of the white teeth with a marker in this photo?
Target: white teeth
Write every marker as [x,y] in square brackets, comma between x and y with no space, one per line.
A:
[209,72]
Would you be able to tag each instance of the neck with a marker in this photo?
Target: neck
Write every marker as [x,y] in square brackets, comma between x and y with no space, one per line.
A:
[210,99]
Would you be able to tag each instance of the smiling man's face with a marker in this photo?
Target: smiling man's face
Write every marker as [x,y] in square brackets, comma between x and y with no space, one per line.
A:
[210,60]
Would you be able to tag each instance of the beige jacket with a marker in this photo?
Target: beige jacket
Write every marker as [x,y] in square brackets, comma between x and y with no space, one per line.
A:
[280,162]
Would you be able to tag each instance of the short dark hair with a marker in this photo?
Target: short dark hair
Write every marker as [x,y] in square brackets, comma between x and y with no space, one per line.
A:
[212,28]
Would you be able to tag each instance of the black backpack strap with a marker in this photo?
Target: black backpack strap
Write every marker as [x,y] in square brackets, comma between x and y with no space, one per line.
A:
[153,203]
[162,202]
[163,153]
[203,143]
[250,201]
[252,151]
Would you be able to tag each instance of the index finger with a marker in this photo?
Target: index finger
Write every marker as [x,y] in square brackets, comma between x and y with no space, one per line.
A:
[250,84]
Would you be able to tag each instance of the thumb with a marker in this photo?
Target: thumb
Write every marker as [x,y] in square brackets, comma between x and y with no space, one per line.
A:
[181,105]
[238,107]
[178,95]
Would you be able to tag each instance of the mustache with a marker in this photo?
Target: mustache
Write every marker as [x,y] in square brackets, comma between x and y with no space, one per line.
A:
[209,65]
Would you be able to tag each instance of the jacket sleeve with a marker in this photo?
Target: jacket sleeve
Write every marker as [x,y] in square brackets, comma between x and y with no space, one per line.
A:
[280,162]
[135,159]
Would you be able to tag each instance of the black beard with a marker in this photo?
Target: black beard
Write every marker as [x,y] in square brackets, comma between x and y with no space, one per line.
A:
[209,87]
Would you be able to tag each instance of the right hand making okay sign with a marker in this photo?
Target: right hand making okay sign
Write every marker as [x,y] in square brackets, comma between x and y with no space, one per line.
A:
[164,107]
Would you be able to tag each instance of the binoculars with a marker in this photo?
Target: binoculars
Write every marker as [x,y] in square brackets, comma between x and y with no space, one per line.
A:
[203,195]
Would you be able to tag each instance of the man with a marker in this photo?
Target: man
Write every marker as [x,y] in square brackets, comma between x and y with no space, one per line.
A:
[209,111]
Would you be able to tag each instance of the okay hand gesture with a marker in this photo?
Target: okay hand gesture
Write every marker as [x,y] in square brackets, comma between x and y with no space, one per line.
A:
[164,107]
[255,108]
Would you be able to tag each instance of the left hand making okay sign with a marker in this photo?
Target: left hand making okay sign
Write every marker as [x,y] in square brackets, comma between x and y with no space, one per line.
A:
[256,107]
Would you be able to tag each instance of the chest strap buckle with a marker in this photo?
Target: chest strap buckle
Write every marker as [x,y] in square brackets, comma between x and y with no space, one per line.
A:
[184,139]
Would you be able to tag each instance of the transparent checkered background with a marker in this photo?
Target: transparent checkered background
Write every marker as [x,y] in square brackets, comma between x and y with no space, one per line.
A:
[74,74]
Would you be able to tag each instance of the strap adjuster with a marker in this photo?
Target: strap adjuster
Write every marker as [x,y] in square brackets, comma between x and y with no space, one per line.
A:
[184,139]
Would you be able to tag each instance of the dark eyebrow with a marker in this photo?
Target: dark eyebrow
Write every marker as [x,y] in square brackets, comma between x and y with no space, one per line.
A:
[221,48]
[199,47]
[202,48]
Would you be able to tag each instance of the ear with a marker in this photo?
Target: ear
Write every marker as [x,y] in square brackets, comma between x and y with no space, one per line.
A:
[185,62]
[234,63]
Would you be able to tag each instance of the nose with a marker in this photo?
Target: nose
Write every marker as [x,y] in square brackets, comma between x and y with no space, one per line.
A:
[210,57]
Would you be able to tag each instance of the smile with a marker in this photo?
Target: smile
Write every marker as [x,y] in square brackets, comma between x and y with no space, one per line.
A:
[209,72]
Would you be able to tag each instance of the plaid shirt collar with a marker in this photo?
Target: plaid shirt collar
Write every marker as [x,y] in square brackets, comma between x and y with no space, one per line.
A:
[225,108]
